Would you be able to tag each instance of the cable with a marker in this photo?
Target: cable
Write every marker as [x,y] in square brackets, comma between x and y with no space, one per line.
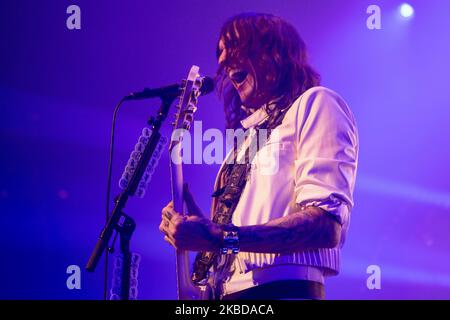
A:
[108,190]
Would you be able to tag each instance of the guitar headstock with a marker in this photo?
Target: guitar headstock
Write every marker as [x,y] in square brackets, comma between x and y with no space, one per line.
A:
[138,173]
[187,104]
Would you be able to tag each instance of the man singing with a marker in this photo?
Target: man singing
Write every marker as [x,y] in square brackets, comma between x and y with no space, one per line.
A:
[278,235]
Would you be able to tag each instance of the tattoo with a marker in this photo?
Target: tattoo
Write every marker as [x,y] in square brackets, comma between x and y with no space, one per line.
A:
[168,215]
[309,228]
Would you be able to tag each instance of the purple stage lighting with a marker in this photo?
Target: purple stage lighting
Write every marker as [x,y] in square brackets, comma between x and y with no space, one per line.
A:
[406,10]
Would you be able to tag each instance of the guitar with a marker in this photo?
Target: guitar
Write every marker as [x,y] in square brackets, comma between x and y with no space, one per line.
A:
[192,88]
[137,174]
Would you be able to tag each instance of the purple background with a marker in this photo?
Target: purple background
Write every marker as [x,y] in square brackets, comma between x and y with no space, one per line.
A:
[58,89]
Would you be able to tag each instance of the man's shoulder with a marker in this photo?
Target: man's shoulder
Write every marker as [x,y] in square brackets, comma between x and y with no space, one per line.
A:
[317,101]
[318,92]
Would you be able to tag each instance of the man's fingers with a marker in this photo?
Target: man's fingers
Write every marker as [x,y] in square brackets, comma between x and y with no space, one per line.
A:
[170,241]
[168,212]
[170,222]
[172,216]
[163,226]
[166,225]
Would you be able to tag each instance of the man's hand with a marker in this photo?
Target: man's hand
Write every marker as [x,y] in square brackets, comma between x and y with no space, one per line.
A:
[190,232]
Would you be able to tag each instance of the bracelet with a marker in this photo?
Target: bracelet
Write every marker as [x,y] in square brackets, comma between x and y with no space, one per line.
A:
[230,243]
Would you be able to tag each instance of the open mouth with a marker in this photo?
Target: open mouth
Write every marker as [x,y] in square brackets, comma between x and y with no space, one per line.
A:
[238,76]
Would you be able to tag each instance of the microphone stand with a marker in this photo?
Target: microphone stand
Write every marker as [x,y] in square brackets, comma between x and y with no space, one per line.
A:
[123,224]
[125,230]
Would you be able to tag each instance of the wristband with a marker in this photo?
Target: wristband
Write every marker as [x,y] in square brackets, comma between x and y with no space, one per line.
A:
[230,243]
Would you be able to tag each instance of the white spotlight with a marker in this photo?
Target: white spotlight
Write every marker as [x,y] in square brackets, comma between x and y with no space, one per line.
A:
[406,10]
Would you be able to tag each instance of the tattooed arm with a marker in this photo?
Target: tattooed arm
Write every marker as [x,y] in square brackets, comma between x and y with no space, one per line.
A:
[309,228]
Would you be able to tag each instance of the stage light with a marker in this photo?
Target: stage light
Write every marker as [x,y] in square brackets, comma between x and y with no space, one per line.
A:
[406,10]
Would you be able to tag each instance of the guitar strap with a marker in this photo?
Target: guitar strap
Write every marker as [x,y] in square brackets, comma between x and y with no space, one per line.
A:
[235,178]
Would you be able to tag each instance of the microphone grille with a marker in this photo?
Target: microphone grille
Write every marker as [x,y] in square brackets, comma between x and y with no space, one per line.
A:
[207,85]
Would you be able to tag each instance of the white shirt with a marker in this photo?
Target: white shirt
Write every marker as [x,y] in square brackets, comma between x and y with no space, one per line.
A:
[313,155]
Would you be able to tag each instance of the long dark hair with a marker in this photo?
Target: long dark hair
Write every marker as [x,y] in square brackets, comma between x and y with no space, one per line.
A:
[272,44]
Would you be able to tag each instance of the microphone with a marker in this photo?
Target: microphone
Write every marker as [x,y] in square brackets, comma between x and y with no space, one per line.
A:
[207,86]
[172,90]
